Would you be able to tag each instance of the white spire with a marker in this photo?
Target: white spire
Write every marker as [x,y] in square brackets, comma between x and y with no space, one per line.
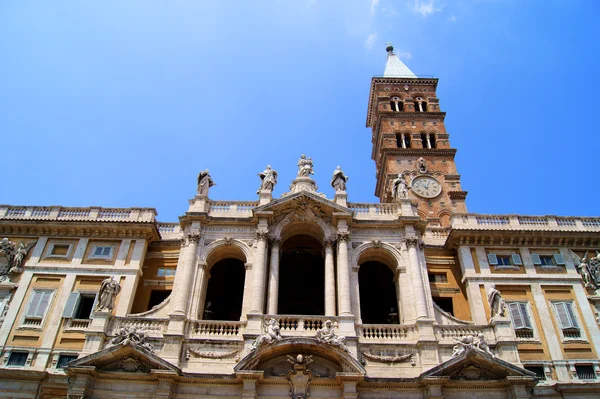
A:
[394,68]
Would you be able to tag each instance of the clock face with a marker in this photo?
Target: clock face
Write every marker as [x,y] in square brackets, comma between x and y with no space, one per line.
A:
[426,186]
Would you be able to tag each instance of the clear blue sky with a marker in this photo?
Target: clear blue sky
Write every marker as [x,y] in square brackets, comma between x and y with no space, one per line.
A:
[121,103]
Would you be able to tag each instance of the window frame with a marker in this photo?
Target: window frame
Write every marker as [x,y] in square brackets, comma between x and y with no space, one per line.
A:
[51,246]
[42,319]
[557,259]
[109,257]
[526,306]
[26,353]
[515,259]
[572,315]
[60,355]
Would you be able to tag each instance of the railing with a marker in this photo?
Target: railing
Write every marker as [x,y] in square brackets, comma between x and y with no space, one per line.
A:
[386,333]
[216,329]
[169,231]
[375,211]
[448,332]
[150,326]
[300,325]
[571,333]
[524,334]
[35,322]
[231,209]
[77,324]
[8,212]
[516,222]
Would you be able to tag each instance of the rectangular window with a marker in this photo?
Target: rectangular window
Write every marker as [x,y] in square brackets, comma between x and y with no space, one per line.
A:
[102,252]
[59,250]
[36,309]
[79,306]
[64,359]
[17,359]
[567,320]
[548,260]
[511,261]
[538,370]
[165,272]
[519,313]
[438,277]
[585,372]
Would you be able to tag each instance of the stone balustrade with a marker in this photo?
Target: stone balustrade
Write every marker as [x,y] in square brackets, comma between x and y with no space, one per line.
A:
[386,333]
[448,333]
[169,231]
[152,327]
[436,235]
[293,325]
[59,213]
[364,211]
[77,324]
[231,209]
[515,222]
[216,329]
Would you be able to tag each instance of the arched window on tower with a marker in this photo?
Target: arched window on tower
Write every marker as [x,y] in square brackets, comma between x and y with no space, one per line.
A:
[420,104]
[428,140]
[403,140]
[396,104]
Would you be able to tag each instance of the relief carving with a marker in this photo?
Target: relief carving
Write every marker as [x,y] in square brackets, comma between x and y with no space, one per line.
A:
[16,256]
[326,335]
[299,377]
[271,334]
[133,335]
[211,355]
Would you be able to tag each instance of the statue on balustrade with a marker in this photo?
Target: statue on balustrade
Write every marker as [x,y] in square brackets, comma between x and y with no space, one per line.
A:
[338,180]
[497,303]
[399,188]
[109,289]
[15,254]
[268,179]
[204,183]
[305,166]
[272,333]
[326,335]
[469,342]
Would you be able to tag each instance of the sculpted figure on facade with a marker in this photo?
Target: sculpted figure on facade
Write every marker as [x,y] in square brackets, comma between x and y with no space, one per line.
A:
[15,254]
[338,180]
[268,179]
[299,377]
[422,165]
[272,333]
[399,188]
[462,344]
[136,336]
[305,166]
[482,345]
[497,303]
[326,335]
[109,289]
[585,274]
[205,182]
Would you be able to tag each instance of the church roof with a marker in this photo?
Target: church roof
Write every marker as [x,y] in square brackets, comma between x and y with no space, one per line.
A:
[394,68]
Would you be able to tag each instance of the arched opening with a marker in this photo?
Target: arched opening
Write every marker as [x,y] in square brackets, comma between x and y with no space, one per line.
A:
[302,277]
[432,142]
[403,140]
[420,104]
[225,290]
[378,302]
[396,104]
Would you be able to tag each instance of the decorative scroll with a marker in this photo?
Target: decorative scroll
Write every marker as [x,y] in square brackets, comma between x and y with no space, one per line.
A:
[210,355]
[389,359]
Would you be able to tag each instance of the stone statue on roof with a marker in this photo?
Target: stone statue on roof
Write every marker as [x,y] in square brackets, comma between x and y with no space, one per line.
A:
[338,180]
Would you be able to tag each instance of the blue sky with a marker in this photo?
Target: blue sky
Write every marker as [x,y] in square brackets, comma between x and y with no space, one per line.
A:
[121,103]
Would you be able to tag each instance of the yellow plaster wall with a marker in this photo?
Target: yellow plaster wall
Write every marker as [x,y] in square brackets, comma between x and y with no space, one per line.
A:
[444,261]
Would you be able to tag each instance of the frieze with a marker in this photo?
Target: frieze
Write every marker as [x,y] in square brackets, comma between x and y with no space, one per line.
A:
[390,359]
[229,229]
[212,355]
[375,233]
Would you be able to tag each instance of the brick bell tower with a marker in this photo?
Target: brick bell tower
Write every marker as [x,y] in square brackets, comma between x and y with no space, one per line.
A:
[410,140]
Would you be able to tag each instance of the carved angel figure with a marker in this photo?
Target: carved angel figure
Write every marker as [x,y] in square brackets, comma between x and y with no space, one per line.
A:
[136,336]
[482,345]
[15,253]
[462,344]
[328,336]
[204,182]
[338,180]
[268,179]
[496,302]
[272,333]
[305,166]
[399,188]
[109,289]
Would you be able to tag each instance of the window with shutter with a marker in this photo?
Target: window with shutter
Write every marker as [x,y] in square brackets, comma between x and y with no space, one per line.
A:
[36,309]
[516,316]
[516,259]
[536,259]
[71,305]
[492,259]
[567,320]
[558,258]
[519,314]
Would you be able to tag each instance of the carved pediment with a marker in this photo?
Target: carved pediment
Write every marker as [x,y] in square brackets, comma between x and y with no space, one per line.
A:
[475,365]
[127,358]
[304,205]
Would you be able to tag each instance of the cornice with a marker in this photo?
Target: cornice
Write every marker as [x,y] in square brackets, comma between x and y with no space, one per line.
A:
[523,238]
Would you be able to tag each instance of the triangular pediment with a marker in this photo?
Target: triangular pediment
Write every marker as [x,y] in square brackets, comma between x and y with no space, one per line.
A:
[128,358]
[304,200]
[475,364]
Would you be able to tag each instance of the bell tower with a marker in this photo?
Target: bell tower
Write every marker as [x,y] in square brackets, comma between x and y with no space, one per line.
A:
[410,141]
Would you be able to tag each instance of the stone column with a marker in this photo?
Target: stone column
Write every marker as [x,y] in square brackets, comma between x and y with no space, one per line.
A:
[202,279]
[417,277]
[185,274]
[329,278]
[344,274]
[259,273]
[274,277]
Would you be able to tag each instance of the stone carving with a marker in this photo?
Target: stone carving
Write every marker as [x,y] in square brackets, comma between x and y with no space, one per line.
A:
[16,256]
[589,269]
[326,335]
[268,179]
[338,180]
[133,335]
[210,355]
[305,166]
[343,236]
[262,235]
[389,359]
[412,242]
[469,342]
[422,165]
[228,240]
[271,334]
[399,188]
[205,182]
[497,303]
[129,364]
[299,376]
[109,289]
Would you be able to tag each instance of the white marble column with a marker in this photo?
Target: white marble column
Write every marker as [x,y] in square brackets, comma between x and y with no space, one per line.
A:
[202,280]
[344,274]
[329,279]
[274,277]
[185,274]
[412,244]
[259,273]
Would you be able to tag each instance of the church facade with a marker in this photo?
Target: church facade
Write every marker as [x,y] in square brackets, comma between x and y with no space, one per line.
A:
[303,295]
